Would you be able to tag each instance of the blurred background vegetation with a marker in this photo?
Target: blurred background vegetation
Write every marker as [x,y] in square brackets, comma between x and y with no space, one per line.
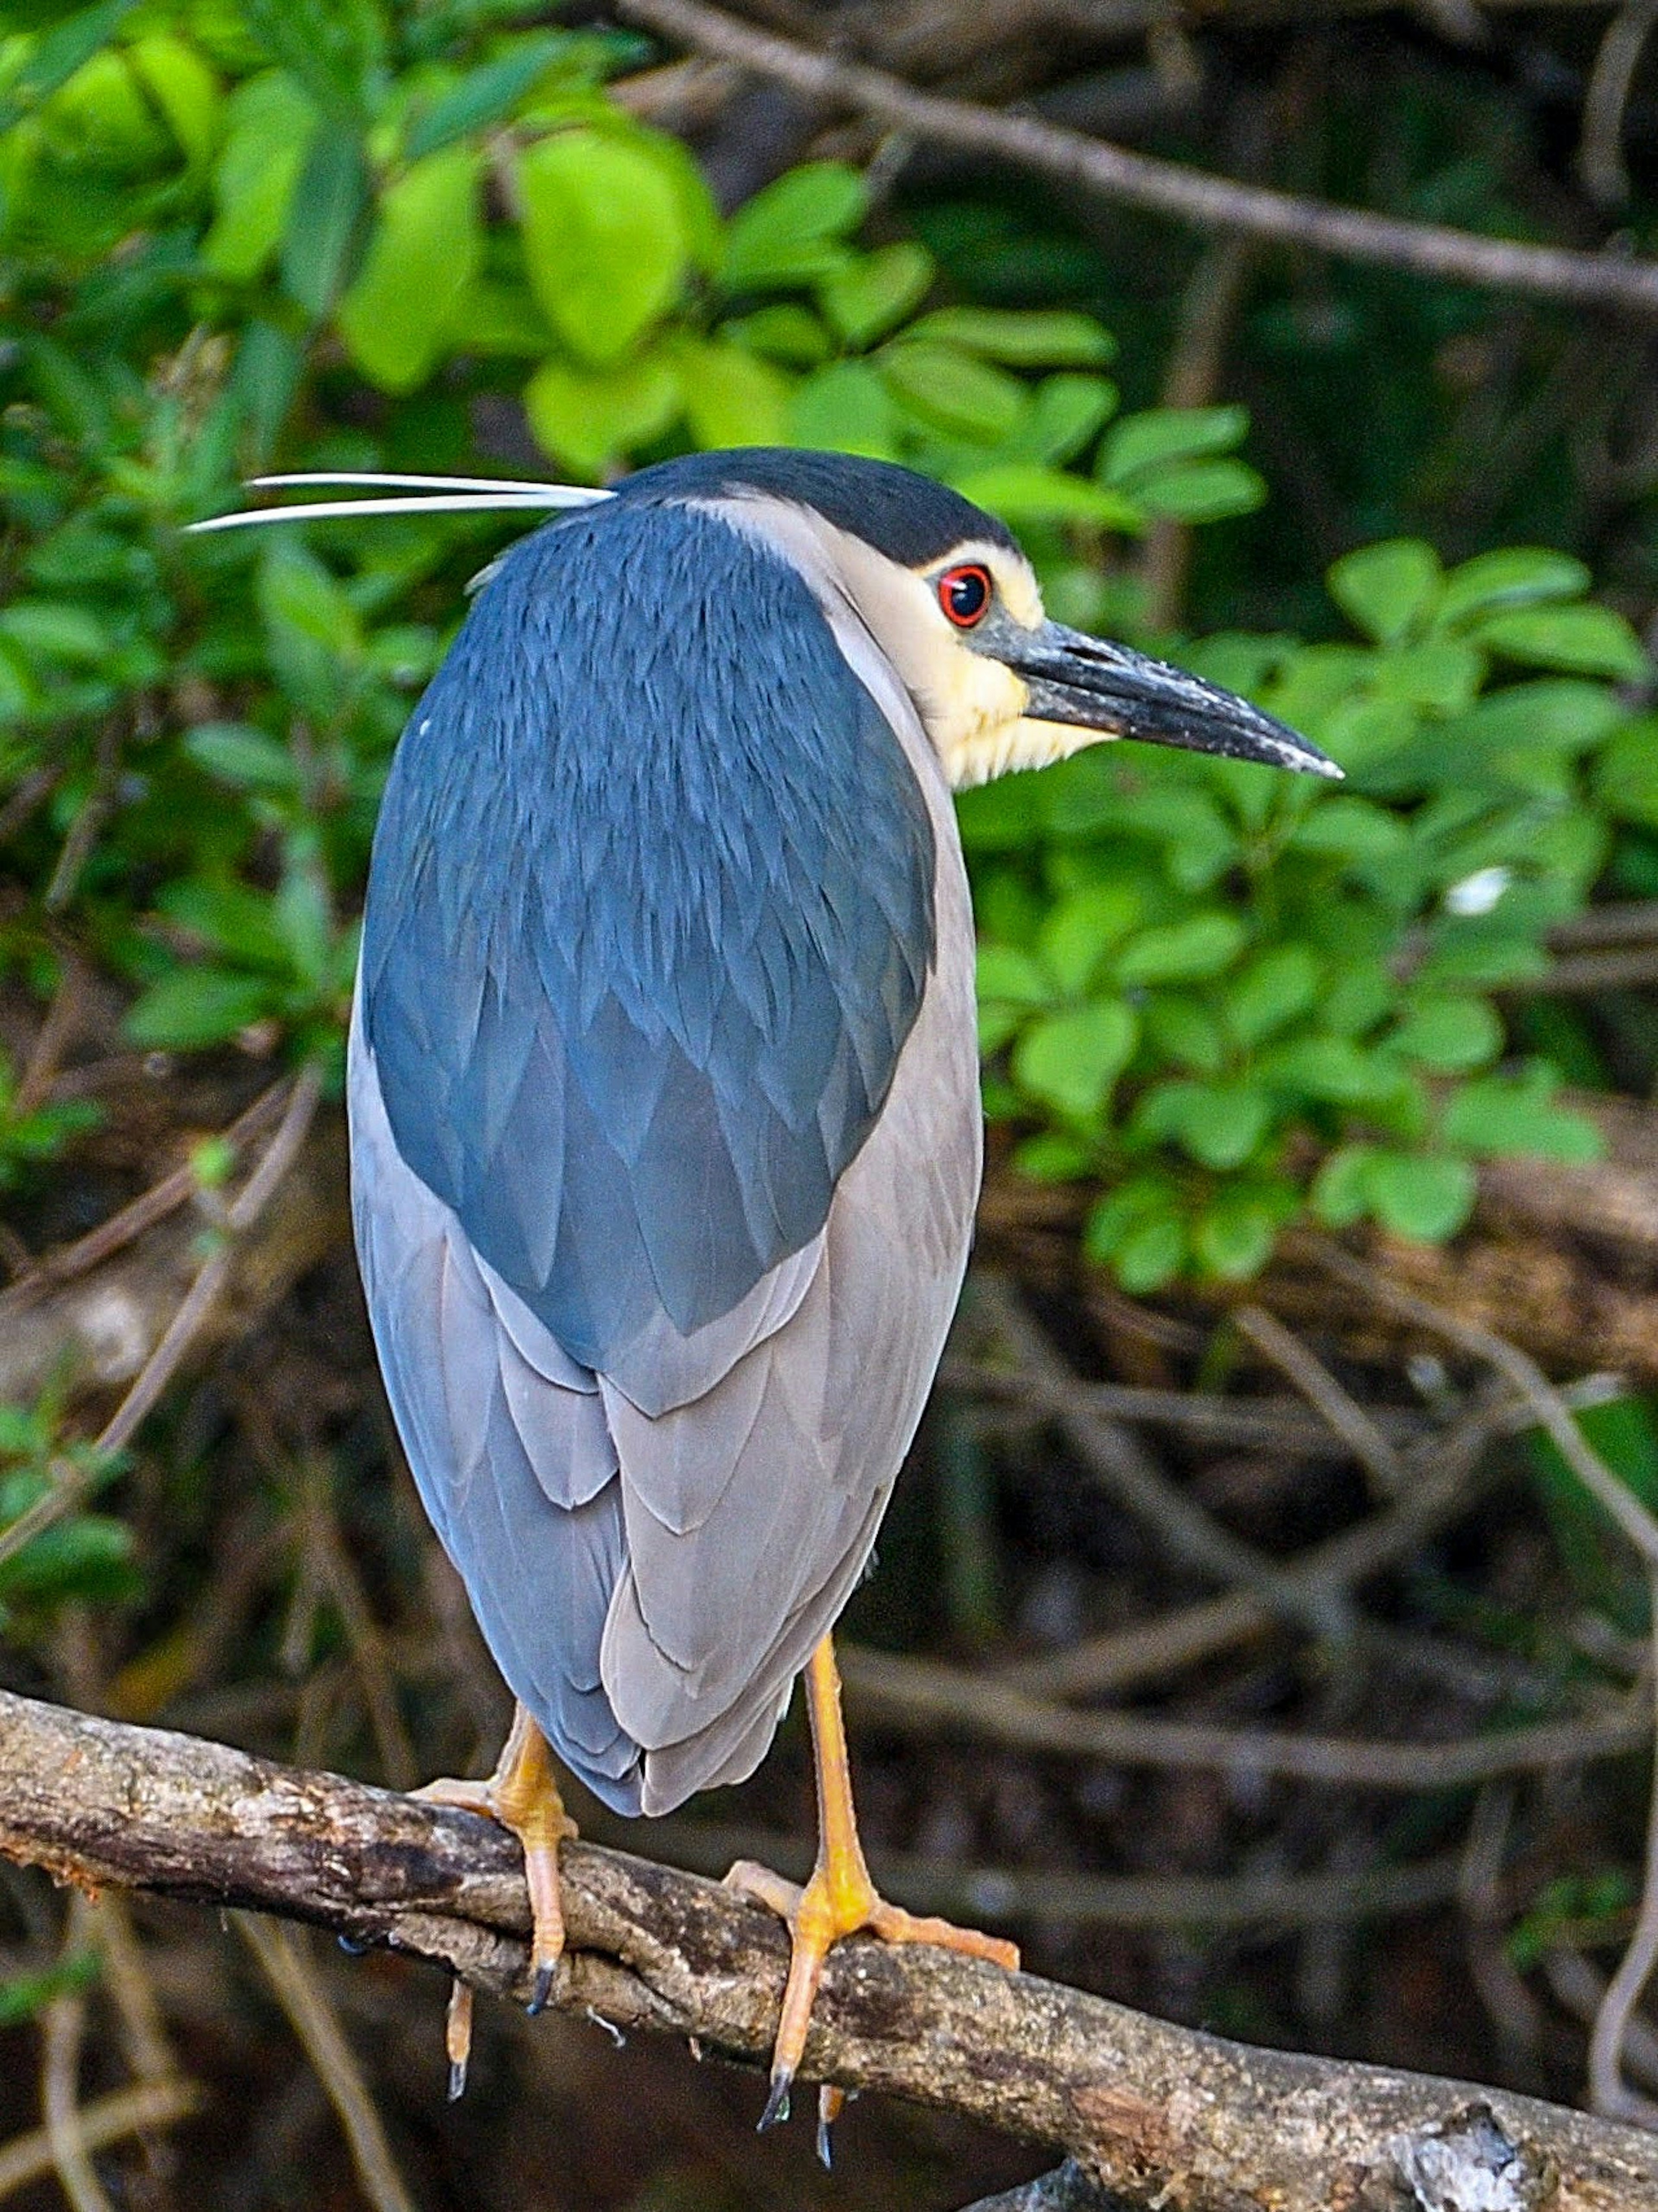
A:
[1224,1015]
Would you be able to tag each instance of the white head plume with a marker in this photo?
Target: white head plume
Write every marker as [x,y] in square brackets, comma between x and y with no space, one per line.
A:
[440,495]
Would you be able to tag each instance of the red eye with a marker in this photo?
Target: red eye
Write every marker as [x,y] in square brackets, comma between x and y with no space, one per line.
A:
[964,594]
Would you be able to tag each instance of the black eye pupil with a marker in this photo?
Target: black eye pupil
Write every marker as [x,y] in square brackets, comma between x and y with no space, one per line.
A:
[966,594]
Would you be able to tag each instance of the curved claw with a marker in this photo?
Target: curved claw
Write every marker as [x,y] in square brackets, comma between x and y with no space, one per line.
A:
[522,1796]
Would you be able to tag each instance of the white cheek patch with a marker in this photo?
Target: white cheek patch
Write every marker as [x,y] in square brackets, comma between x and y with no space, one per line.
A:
[978,756]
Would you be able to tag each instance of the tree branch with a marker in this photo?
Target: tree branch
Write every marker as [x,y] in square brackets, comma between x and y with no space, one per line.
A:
[1211,203]
[1163,2115]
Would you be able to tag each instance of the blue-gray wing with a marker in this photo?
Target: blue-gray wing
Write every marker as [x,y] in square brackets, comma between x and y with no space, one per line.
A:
[650,1584]
[665,1131]
[650,915]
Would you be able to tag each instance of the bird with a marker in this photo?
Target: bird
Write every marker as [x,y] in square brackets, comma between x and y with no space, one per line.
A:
[663,1087]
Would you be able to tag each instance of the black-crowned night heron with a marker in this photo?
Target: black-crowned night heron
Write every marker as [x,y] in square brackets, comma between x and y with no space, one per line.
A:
[664,1097]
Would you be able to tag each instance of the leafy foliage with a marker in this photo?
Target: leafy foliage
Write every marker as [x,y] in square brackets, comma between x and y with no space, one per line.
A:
[333,234]
[1234,996]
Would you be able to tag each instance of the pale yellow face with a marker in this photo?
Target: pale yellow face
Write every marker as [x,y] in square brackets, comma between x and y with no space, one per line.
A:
[971,704]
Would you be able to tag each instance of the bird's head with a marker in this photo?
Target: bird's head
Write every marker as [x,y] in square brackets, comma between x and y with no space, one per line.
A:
[955,606]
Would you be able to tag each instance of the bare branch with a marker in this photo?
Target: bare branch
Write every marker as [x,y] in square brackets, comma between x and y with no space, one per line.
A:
[312,2020]
[138,2111]
[1163,2115]
[1210,202]
[924,1694]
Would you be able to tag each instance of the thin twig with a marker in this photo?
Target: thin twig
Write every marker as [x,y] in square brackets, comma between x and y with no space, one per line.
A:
[244,1210]
[60,2066]
[151,1206]
[72,1483]
[1600,155]
[1553,1415]
[924,1694]
[1603,281]
[1120,1464]
[1608,2091]
[1581,1989]
[1346,1416]
[1441,1487]
[1279,1425]
[312,2020]
[138,2111]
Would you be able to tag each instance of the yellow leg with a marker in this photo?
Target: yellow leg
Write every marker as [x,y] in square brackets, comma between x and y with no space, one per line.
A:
[522,1796]
[840,1898]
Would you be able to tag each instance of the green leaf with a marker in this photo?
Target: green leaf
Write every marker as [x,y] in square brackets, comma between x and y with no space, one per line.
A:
[1199,491]
[785,331]
[1271,991]
[237,754]
[328,46]
[231,919]
[1023,492]
[297,593]
[1555,714]
[1071,1060]
[847,409]
[1626,772]
[1449,1033]
[1053,1157]
[1020,337]
[1005,973]
[789,232]
[1516,1118]
[1233,1235]
[1219,1124]
[1512,576]
[1327,1068]
[1590,640]
[1151,1255]
[1440,673]
[184,88]
[53,630]
[1183,1030]
[1341,1193]
[732,397]
[873,293]
[23,1996]
[949,390]
[56,56]
[395,319]
[1425,1195]
[1162,435]
[588,418]
[1081,930]
[1387,590]
[1182,951]
[271,125]
[197,1007]
[484,95]
[604,244]
[1065,413]
[323,217]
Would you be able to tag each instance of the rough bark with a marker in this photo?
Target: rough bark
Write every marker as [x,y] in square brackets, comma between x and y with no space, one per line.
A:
[1164,2115]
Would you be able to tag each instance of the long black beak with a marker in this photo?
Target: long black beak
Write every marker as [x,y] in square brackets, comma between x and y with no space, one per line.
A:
[1090,682]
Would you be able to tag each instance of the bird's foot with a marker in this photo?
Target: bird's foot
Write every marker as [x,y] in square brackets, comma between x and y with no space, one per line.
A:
[521,1796]
[839,1901]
